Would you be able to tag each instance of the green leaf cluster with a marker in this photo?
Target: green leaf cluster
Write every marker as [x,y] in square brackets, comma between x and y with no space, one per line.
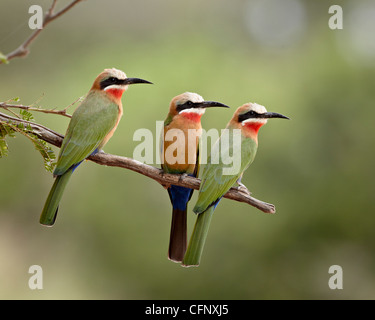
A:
[9,129]
[5,130]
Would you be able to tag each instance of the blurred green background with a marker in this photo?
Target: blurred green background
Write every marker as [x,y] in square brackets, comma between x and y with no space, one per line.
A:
[111,237]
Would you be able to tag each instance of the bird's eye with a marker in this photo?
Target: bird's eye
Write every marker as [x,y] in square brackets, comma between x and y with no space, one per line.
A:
[189,103]
[112,79]
[252,113]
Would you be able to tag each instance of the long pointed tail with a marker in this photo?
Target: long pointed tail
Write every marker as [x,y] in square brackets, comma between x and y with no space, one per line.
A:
[198,238]
[51,206]
[178,237]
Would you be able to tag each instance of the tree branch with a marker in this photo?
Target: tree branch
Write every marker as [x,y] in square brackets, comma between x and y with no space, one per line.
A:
[63,112]
[40,131]
[23,49]
[156,174]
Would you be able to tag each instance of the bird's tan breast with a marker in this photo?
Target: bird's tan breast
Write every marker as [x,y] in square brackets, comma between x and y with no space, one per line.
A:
[180,143]
[110,133]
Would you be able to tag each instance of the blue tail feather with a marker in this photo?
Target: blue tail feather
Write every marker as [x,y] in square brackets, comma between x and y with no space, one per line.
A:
[180,196]
[216,203]
[77,164]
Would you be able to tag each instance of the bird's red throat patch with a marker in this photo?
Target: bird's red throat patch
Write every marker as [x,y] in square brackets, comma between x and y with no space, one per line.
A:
[253,127]
[195,117]
[116,93]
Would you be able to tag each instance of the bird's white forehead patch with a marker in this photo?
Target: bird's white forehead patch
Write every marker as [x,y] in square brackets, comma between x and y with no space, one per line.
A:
[257,108]
[190,96]
[116,73]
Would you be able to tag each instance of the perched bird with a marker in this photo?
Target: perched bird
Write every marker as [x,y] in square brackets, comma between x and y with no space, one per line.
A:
[92,125]
[180,155]
[247,119]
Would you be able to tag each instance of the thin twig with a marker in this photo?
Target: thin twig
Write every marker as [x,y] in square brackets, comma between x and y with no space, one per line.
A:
[11,111]
[156,174]
[50,17]
[28,108]
[23,49]
[50,11]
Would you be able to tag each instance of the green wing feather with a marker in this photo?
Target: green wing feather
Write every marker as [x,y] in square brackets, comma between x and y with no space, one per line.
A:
[197,165]
[220,174]
[90,124]
[214,185]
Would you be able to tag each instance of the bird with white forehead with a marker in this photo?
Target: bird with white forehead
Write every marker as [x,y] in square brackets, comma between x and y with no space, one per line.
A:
[180,155]
[92,125]
[246,121]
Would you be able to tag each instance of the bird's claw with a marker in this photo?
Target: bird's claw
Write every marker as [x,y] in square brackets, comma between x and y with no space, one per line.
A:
[165,185]
[183,176]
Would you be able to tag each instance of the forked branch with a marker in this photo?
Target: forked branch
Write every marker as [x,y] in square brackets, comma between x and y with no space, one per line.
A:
[23,49]
[7,106]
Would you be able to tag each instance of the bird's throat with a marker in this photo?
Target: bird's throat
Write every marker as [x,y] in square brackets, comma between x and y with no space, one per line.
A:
[251,129]
[192,116]
[115,93]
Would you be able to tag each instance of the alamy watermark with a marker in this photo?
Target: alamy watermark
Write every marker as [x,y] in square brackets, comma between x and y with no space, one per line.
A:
[179,147]
[336,281]
[336,21]
[36,20]
[36,280]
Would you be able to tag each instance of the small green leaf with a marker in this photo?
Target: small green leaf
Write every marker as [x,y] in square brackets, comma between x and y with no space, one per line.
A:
[3,148]
[6,130]
[2,130]
[26,115]
[47,154]
[3,58]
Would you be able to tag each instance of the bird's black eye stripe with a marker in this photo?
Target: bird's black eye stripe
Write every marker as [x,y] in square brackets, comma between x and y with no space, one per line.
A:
[109,81]
[252,113]
[248,115]
[187,105]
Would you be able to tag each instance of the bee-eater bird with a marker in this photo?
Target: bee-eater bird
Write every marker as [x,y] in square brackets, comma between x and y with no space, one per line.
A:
[185,114]
[91,126]
[248,119]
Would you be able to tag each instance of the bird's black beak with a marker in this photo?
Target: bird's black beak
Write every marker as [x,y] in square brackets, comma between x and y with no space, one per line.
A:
[209,104]
[128,81]
[269,115]
[254,115]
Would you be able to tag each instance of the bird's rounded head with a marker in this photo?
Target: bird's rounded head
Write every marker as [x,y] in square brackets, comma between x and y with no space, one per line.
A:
[108,79]
[191,105]
[250,117]
[114,82]
[186,103]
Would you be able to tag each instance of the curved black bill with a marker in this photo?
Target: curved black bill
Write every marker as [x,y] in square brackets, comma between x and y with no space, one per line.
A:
[268,115]
[135,81]
[209,104]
